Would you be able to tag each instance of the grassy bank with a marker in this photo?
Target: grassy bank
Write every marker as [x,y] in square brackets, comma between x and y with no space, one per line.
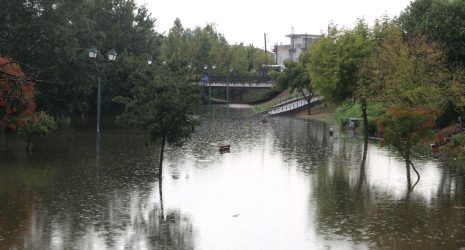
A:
[322,112]
[282,97]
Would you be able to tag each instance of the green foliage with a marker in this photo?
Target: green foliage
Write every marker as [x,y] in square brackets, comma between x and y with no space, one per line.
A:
[336,59]
[404,127]
[206,46]
[441,21]
[163,107]
[410,73]
[295,77]
[52,38]
[351,109]
[41,124]
[458,140]
[346,110]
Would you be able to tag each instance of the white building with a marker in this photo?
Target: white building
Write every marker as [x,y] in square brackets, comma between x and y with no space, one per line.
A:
[292,51]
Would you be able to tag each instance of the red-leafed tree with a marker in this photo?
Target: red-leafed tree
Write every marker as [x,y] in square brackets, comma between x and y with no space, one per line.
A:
[17,95]
[403,128]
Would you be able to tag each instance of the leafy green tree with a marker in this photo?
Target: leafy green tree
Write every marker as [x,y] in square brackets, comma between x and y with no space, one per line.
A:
[403,128]
[412,83]
[164,107]
[337,61]
[440,21]
[410,73]
[37,124]
[53,36]
[297,78]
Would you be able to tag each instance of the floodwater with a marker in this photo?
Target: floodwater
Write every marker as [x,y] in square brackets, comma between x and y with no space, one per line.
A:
[285,184]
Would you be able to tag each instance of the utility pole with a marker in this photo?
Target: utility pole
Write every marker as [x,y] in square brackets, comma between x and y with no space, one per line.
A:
[276,53]
[264,36]
[266,59]
[306,39]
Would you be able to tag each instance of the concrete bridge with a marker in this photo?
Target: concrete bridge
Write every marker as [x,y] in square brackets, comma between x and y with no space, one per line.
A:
[237,81]
[234,82]
[267,85]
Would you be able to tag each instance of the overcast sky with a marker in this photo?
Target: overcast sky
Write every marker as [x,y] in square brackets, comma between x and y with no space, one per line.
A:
[246,20]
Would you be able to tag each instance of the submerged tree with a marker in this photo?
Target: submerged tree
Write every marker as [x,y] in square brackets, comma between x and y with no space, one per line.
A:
[403,128]
[412,81]
[38,124]
[164,107]
[17,95]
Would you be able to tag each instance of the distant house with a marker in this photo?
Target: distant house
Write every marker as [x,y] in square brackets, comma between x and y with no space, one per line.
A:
[292,51]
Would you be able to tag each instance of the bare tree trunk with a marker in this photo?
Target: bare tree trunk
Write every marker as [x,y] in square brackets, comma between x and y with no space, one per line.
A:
[362,176]
[160,191]
[309,100]
[365,119]
[160,165]
[28,142]
[407,167]
[418,174]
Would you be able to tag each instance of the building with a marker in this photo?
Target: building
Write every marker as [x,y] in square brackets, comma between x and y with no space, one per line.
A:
[292,51]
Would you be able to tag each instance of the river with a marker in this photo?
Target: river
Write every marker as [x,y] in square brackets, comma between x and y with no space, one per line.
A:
[285,184]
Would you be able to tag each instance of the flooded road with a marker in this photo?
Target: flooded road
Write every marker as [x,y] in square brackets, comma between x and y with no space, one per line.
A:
[285,184]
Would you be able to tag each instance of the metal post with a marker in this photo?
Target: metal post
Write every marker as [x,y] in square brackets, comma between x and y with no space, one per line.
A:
[209,92]
[98,111]
[227,88]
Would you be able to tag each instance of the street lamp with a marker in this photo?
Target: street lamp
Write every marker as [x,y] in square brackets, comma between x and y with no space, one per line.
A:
[93,52]
[205,67]
[227,83]
[112,55]
[149,60]
[94,55]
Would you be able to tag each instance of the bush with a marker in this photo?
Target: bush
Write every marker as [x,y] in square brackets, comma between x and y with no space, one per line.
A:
[458,140]
[347,110]
[354,109]
[40,124]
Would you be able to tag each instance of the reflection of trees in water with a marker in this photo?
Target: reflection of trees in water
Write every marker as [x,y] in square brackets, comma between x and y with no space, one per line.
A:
[175,231]
[170,231]
[16,211]
[121,218]
[304,142]
[240,128]
[310,146]
[18,187]
[105,202]
[347,207]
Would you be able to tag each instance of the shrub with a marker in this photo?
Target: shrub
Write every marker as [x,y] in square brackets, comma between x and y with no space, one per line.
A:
[38,124]
[347,110]
[458,140]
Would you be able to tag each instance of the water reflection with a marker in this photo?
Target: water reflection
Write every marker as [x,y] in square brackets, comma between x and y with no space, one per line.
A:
[285,184]
[87,201]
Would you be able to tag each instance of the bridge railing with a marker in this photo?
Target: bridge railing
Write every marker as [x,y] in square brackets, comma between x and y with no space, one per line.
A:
[240,79]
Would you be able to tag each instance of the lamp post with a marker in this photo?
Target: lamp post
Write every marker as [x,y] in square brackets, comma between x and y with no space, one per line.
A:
[98,59]
[227,83]
[205,67]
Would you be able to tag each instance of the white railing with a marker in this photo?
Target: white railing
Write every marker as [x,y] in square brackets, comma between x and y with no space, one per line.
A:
[239,85]
[291,105]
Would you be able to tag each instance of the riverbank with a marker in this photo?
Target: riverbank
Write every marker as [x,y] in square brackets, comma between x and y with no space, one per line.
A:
[322,112]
